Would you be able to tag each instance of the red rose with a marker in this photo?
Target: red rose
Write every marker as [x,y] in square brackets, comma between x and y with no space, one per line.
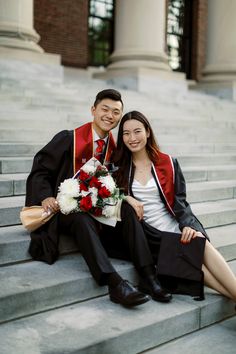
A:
[94,182]
[83,175]
[103,192]
[83,187]
[97,211]
[86,203]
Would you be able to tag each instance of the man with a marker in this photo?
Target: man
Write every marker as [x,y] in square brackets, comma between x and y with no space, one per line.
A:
[60,159]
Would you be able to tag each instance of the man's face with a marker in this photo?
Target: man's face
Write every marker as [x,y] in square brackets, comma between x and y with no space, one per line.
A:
[106,116]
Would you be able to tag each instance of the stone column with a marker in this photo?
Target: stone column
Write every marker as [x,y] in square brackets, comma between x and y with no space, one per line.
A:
[139,59]
[219,74]
[16,25]
[140,35]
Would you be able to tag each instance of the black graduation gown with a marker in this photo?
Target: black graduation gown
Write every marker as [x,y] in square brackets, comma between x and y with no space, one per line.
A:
[51,166]
[191,263]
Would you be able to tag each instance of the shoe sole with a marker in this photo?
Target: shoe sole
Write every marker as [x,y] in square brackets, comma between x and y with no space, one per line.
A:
[145,291]
[136,303]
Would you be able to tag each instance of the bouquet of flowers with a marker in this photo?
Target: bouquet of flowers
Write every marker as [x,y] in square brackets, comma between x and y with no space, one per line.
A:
[91,190]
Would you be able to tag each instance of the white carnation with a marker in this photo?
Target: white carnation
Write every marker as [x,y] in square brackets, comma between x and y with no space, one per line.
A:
[108,182]
[69,187]
[89,169]
[109,211]
[67,204]
[94,195]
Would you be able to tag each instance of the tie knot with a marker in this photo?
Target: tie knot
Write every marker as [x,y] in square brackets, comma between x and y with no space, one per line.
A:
[100,143]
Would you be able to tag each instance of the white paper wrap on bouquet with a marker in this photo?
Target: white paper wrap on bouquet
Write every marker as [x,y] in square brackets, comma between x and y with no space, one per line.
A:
[111,221]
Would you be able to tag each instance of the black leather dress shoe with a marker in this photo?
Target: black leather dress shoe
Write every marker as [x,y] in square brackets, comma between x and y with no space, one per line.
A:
[151,286]
[125,294]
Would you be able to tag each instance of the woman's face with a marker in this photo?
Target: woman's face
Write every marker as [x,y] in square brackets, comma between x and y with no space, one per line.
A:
[135,135]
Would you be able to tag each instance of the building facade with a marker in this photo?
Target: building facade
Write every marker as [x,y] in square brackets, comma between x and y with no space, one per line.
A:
[130,39]
[83,31]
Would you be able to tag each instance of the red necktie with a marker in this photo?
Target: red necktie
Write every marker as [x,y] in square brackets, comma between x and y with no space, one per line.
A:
[99,149]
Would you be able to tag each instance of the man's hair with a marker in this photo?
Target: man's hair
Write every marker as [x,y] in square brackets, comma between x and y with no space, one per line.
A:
[108,93]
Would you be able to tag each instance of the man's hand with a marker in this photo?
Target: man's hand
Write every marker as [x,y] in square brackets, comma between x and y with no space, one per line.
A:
[137,206]
[50,205]
[188,234]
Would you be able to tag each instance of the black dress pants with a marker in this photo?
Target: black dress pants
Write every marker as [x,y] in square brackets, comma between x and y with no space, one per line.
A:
[95,240]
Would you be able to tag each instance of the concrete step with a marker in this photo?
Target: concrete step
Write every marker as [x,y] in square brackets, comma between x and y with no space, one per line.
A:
[14,243]
[223,238]
[47,115]
[65,282]
[10,210]
[44,99]
[54,106]
[15,164]
[163,124]
[187,148]
[19,149]
[100,326]
[194,136]
[211,190]
[218,338]
[209,173]
[216,213]
[207,159]
[12,184]
[28,135]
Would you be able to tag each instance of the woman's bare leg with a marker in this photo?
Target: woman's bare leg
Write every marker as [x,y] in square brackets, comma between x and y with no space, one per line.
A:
[211,282]
[220,271]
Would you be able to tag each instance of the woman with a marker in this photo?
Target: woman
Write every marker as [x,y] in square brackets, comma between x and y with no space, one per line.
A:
[155,187]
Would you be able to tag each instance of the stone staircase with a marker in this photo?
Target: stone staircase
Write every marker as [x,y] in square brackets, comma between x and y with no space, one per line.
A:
[59,308]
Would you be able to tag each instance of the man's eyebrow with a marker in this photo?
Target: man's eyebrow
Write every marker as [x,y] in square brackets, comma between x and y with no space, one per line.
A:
[114,109]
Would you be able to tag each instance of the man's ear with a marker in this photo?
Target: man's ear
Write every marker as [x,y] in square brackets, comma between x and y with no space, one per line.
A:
[92,110]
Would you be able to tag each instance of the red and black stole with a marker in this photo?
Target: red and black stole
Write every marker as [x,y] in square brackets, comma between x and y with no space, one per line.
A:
[165,178]
[83,146]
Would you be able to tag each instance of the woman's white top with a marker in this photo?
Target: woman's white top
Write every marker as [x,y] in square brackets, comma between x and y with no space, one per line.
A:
[155,212]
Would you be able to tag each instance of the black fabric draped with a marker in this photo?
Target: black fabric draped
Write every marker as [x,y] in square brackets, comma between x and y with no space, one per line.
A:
[51,165]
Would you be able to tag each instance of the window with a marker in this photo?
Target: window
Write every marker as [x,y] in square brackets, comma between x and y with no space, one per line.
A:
[101,27]
[179,34]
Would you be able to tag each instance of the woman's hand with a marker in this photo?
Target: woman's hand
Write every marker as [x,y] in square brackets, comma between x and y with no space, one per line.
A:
[50,205]
[188,234]
[136,205]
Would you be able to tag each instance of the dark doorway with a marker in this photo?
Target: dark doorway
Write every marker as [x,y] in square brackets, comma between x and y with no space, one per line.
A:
[101,28]
[179,35]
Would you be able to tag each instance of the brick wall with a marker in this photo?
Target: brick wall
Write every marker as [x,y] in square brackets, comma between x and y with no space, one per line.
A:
[199,38]
[63,27]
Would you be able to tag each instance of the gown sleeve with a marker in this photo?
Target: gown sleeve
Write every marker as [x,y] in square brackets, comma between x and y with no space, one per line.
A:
[182,209]
[47,167]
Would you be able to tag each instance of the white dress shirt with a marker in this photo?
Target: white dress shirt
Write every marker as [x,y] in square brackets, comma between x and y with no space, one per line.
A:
[155,212]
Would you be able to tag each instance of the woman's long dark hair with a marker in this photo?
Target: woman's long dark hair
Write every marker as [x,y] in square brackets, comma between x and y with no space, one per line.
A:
[122,155]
